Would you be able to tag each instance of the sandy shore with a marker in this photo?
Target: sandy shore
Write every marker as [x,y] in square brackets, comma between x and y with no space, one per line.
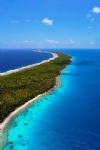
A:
[30,66]
[11,115]
[6,122]
[24,106]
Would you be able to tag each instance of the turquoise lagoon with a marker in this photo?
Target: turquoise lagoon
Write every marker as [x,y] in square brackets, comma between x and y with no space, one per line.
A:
[68,118]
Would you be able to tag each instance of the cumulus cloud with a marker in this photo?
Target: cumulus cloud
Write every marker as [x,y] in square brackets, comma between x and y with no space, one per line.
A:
[28,41]
[96,10]
[52,41]
[72,41]
[47,21]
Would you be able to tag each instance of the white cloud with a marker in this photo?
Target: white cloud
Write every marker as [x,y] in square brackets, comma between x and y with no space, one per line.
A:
[47,21]
[88,15]
[52,41]
[14,21]
[72,41]
[96,10]
[28,41]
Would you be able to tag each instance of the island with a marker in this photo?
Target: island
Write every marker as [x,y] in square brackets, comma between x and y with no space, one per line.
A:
[18,88]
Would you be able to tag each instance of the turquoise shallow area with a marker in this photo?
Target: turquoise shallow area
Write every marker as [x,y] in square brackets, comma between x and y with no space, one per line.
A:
[69,117]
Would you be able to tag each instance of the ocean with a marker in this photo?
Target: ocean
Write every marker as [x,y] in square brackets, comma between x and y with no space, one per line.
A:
[68,118]
[11,59]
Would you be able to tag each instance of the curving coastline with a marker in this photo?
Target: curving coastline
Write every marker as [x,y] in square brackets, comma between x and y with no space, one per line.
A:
[7,120]
[30,66]
[12,114]
[24,106]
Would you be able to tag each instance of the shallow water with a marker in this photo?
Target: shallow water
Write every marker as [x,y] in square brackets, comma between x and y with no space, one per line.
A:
[69,117]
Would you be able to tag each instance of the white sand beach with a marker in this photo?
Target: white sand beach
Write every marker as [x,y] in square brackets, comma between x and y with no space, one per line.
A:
[24,106]
[11,115]
[30,66]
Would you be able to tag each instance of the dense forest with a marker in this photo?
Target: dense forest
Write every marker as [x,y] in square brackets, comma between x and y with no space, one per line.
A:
[17,88]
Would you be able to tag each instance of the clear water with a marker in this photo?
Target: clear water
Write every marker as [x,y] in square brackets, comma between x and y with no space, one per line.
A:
[11,59]
[69,117]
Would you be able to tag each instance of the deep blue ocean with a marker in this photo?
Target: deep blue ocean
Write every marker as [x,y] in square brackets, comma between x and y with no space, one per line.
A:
[68,118]
[11,59]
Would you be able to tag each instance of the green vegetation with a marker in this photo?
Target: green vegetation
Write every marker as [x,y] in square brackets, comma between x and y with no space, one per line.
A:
[17,88]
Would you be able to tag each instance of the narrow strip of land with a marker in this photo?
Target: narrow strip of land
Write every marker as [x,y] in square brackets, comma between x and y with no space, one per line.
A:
[18,88]
[29,66]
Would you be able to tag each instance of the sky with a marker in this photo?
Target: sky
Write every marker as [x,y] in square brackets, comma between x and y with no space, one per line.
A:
[49,23]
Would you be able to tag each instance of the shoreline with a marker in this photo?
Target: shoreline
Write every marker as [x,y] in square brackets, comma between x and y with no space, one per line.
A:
[30,66]
[12,114]
[6,122]
[24,106]
[4,126]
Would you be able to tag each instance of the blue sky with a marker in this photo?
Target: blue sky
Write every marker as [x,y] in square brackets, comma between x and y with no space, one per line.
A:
[50,23]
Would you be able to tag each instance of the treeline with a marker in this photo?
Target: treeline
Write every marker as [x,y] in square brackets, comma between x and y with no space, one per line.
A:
[17,88]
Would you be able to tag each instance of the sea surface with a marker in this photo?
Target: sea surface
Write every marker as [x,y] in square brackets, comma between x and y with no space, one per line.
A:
[68,118]
[11,59]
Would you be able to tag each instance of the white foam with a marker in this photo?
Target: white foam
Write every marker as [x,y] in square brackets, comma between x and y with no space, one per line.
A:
[30,66]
